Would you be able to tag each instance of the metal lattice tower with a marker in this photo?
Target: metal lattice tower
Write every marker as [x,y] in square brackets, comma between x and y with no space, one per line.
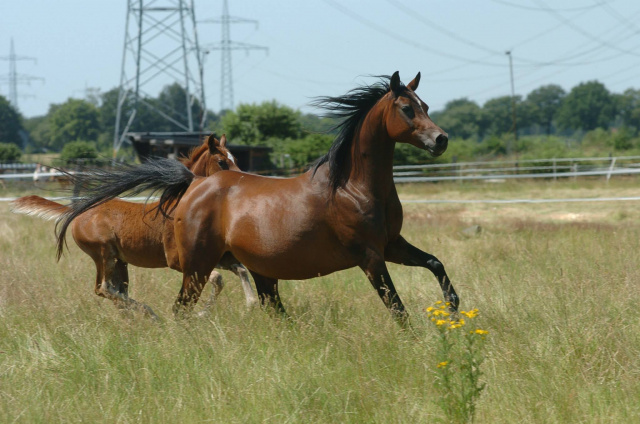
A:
[160,46]
[14,78]
[226,46]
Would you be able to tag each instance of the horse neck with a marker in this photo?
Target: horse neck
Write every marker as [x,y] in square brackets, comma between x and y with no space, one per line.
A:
[372,156]
[199,167]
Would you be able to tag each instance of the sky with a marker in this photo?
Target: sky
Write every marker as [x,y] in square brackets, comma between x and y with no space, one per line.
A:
[326,47]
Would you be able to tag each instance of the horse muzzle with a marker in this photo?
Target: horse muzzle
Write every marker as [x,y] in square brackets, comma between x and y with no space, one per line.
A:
[436,144]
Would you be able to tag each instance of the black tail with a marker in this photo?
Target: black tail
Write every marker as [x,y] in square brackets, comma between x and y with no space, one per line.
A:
[101,185]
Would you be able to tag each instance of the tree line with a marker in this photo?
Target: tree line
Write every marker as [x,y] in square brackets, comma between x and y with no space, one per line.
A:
[549,122]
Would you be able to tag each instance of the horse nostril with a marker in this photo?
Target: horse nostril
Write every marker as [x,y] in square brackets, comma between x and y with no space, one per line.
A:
[442,140]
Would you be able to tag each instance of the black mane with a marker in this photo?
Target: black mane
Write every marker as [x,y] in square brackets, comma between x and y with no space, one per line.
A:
[351,108]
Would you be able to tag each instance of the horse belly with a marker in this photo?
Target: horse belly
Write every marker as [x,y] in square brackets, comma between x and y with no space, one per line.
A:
[289,253]
[142,247]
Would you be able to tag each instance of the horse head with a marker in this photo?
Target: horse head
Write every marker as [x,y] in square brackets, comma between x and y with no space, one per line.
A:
[213,156]
[407,118]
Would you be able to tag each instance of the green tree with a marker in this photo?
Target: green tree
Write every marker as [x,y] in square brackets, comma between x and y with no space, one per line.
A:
[587,106]
[308,149]
[544,103]
[628,104]
[9,152]
[253,124]
[461,118]
[10,123]
[499,115]
[74,120]
[78,150]
[38,129]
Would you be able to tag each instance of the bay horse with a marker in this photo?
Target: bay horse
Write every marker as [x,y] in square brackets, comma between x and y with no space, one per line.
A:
[344,212]
[115,233]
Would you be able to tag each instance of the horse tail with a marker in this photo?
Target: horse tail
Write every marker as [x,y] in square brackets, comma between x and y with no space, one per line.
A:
[98,186]
[38,206]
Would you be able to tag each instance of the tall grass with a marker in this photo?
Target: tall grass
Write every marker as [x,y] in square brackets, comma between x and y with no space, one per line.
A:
[560,300]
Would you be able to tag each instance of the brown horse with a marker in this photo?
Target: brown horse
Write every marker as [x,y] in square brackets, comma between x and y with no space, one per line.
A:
[342,213]
[115,233]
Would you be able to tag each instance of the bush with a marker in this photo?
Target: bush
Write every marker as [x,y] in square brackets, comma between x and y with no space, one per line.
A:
[77,151]
[623,139]
[9,152]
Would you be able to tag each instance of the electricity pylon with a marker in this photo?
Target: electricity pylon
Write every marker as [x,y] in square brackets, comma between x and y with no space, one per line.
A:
[160,46]
[14,78]
[226,46]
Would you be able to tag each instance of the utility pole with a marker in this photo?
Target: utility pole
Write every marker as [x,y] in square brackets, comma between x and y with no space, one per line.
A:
[160,46]
[14,78]
[226,46]
[513,97]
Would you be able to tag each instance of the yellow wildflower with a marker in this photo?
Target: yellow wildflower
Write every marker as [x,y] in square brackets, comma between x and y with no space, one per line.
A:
[443,364]
[481,332]
[430,308]
[441,322]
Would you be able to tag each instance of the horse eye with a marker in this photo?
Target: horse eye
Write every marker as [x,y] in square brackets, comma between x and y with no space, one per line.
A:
[408,110]
[223,164]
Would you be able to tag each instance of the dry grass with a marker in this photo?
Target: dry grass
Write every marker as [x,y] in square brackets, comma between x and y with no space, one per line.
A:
[560,298]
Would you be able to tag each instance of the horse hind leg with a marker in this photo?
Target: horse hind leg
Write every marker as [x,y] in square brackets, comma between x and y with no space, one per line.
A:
[112,283]
[268,293]
[230,263]
[243,274]
[217,284]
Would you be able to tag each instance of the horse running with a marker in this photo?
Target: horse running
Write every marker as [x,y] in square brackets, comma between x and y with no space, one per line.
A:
[342,213]
[115,233]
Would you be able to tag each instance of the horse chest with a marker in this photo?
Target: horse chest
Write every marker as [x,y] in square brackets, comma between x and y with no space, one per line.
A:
[371,222]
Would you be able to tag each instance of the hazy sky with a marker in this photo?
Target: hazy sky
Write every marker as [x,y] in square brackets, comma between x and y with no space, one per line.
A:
[326,47]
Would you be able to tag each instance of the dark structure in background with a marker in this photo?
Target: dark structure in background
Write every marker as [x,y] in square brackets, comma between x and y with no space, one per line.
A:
[176,144]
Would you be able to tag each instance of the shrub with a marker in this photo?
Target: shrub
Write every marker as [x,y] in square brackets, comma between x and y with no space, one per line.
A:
[9,152]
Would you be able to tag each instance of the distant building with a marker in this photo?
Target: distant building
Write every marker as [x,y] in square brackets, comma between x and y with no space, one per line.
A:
[176,144]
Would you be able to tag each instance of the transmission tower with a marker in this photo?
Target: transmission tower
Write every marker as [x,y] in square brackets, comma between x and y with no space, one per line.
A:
[14,78]
[160,46]
[226,46]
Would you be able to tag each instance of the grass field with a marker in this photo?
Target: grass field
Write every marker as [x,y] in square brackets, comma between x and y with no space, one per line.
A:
[557,286]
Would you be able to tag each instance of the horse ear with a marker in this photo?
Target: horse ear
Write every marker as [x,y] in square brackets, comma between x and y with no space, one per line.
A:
[223,140]
[413,85]
[212,143]
[395,81]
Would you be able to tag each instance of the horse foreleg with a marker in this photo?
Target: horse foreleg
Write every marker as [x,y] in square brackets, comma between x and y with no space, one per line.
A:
[376,270]
[268,292]
[402,252]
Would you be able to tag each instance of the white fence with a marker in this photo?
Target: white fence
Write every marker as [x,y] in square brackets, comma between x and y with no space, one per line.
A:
[532,168]
[465,171]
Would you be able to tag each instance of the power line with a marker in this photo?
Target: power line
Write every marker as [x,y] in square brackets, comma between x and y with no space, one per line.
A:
[537,9]
[404,40]
[582,31]
[431,24]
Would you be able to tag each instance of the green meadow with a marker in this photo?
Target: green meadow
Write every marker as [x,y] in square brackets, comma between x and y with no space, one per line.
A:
[557,286]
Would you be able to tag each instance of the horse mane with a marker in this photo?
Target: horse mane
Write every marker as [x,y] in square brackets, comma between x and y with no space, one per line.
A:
[350,108]
[194,154]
